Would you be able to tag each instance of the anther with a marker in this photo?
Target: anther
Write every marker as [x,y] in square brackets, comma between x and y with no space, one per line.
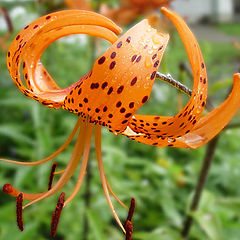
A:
[131,210]
[51,176]
[19,204]
[57,214]
[7,188]
[128,224]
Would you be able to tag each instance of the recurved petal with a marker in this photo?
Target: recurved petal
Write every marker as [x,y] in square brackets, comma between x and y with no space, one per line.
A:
[211,124]
[35,37]
[206,129]
[187,118]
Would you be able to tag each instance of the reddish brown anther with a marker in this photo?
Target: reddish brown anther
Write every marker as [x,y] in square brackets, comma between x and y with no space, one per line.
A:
[19,203]
[57,214]
[128,224]
[51,176]
[7,188]
[131,210]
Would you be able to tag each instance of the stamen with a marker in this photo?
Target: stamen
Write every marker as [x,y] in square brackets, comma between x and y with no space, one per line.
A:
[114,195]
[57,214]
[102,175]
[19,203]
[52,175]
[83,168]
[70,169]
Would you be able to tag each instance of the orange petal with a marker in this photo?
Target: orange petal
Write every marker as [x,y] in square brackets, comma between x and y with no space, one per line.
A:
[121,79]
[207,127]
[185,120]
[34,38]
[211,124]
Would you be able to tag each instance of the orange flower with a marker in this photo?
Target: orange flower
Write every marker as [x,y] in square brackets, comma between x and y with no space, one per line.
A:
[119,83]
[131,9]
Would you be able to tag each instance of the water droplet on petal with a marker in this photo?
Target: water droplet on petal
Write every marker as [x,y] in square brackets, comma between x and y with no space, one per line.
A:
[148,62]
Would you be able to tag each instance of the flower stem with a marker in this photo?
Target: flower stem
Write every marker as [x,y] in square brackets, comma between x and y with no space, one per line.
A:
[208,159]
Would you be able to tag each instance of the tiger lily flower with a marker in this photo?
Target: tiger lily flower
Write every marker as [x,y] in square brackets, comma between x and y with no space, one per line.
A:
[118,85]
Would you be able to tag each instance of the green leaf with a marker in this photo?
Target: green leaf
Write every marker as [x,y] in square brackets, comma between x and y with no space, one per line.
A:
[210,224]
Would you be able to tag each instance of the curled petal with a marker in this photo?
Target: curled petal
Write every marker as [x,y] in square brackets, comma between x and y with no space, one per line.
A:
[211,124]
[186,119]
[206,128]
[35,37]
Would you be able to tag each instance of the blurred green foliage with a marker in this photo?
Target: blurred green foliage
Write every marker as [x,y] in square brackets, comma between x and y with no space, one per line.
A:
[161,180]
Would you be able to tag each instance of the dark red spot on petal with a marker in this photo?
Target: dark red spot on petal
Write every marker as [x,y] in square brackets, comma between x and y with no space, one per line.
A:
[119,44]
[120,89]
[101,60]
[153,75]
[144,99]
[133,81]
[154,56]
[122,110]
[133,57]
[131,105]
[128,39]
[119,104]
[156,63]
[139,58]
[104,85]
[113,55]
[110,91]
[112,65]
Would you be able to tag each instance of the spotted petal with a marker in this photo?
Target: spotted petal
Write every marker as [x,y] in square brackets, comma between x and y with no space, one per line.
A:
[185,129]
[121,79]
[34,38]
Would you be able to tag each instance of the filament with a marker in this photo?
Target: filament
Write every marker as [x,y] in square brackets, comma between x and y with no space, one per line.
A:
[102,175]
[84,163]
